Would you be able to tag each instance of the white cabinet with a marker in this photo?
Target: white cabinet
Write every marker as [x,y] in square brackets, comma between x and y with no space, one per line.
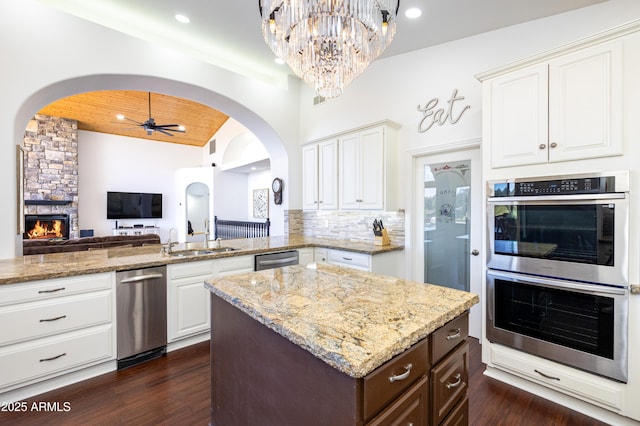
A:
[569,108]
[53,327]
[234,265]
[363,170]
[320,176]
[388,263]
[188,304]
[305,256]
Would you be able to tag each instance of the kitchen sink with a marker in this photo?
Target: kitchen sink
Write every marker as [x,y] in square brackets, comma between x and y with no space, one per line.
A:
[200,252]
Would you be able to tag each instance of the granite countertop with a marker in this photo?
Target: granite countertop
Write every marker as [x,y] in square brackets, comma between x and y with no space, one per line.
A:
[352,320]
[60,265]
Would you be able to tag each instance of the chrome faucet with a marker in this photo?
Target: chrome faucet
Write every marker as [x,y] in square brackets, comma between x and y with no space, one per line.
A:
[167,249]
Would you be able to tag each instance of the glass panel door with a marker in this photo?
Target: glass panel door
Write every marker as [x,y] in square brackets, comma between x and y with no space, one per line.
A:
[448,224]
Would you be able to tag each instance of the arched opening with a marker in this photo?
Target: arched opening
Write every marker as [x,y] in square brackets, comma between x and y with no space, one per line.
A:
[258,126]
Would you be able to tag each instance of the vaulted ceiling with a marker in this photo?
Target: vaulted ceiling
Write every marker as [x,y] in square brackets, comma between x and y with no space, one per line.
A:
[227,34]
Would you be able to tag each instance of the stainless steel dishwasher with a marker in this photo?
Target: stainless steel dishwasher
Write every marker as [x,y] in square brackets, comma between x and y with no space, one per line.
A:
[141,298]
[276,260]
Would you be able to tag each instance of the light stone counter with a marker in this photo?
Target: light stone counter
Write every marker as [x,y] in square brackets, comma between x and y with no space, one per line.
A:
[59,265]
[352,320]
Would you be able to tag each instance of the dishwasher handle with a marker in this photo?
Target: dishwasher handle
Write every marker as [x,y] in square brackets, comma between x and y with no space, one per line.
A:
[139,278]
[278,261]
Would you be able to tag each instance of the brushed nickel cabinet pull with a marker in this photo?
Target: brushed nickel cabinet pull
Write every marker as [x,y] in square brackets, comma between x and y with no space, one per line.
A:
[547,376]
[553,145]
[455,335]
[456,383]
[51,291]
[542,146]
[402,376]
[52,358]
[347,258]
[53,319]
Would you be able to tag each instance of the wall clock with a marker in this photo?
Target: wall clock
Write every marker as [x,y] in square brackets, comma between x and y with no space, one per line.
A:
[276,186]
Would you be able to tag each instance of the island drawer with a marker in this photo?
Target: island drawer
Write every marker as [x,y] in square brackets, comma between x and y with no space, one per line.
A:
[447,337]
[349,259]
[391,379]
[411,408]
[449,383]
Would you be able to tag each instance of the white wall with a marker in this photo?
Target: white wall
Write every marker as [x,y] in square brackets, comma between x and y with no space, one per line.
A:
[87,57]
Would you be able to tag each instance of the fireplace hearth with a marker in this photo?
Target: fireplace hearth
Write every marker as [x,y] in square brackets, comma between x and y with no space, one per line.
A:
[46,226]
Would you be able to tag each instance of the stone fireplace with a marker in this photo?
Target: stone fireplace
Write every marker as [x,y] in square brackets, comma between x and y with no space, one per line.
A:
[51,174]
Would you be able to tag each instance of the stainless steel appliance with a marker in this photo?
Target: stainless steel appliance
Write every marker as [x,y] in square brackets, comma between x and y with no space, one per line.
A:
[557,278]
[141,297]
[276,260]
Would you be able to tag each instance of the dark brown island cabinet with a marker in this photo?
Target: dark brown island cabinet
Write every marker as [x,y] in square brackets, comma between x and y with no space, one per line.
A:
[259,377]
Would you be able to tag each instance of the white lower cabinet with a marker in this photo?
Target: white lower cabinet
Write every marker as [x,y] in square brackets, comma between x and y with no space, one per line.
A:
[305,256]
[234,265]
[53,327]
[384,263]
[579,384]
[188,303]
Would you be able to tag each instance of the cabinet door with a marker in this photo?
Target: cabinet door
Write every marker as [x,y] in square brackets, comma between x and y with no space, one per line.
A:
[310,177]
[305,256]
[373,169]
[350,172]
[585,95]
[328,175]
[518,126]
[188,307]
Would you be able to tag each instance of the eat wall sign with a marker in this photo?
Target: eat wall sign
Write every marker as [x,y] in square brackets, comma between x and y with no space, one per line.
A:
[433,113]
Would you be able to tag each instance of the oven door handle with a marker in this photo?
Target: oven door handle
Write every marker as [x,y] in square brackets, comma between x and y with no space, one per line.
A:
[560,284]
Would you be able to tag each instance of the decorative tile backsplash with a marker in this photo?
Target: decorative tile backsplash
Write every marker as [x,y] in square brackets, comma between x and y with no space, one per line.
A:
[350,225]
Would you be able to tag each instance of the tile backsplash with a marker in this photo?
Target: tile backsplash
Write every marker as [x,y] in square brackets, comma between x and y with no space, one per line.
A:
[350,225]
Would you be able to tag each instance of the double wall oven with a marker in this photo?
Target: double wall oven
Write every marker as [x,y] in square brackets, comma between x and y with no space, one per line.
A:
[557,269]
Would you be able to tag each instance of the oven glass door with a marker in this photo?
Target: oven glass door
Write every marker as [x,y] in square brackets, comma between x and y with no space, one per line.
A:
[581,325]
[575,240]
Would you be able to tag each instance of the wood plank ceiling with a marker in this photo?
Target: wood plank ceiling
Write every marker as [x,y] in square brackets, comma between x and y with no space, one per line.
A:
[97,112]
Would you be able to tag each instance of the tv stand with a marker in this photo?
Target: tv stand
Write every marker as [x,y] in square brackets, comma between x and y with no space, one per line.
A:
[136,231]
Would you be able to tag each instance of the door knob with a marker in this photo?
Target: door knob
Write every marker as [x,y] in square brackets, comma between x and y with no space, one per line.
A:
[475,252]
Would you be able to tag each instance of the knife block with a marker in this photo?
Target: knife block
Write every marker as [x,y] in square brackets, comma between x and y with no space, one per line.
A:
[382,240]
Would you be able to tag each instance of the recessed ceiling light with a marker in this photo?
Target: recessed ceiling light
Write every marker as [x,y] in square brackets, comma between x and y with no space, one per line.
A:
[120,117]
[413,12]
[279,61]
[182,128]
[183,19]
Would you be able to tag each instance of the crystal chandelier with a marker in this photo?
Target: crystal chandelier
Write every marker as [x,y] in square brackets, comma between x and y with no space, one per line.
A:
[328,43]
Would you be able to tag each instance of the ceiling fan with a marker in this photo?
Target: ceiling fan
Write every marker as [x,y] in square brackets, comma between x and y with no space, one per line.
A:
[150,125]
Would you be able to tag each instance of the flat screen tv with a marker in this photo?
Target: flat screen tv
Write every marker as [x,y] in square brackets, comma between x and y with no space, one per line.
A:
[134,205]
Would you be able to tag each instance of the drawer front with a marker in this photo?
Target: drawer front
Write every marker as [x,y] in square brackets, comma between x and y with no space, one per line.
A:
[48,289]
[391,379]
[447,337]
[412,408]
[53,355]
[459,416]
[33,320]
[235,265]
[190,269]
[347,258]
[449,383]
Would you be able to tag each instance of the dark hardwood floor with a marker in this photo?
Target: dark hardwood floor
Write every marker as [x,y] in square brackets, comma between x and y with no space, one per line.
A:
[174,390]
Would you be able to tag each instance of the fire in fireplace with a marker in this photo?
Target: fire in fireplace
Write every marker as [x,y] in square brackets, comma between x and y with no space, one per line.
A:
[46,226]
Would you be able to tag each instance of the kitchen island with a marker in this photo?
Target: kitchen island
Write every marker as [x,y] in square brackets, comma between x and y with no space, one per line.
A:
[320,344]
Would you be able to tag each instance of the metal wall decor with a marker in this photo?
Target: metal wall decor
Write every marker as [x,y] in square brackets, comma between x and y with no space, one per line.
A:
[450,113]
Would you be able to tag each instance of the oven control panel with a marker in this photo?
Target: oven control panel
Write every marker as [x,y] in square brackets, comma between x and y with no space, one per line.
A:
[567,186]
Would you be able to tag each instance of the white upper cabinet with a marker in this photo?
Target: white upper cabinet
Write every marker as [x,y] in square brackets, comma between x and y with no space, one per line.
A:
[320,176]
[362,170]
[354,170]
[569,108]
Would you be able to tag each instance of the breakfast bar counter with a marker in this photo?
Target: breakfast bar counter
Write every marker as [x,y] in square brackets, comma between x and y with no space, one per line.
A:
[306,343]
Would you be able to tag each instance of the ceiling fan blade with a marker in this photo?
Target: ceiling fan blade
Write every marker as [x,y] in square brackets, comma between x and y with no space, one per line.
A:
[163,132]
[168,125]
[170,130]
[134,121]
